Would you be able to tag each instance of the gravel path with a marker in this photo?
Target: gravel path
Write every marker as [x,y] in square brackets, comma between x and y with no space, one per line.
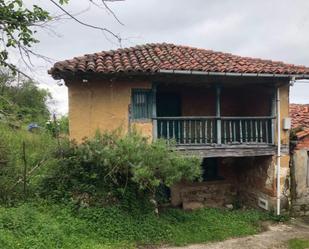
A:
[274,238]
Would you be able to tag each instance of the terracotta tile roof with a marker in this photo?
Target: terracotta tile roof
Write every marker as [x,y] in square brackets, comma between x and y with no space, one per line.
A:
[300,115]
[154,57]
[302,134]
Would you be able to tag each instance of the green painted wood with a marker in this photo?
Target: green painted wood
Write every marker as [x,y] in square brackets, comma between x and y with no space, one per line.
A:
[218,114]
[240,131]
[141,101]
[204,131]
[266,132]
[246,131]
[154,112]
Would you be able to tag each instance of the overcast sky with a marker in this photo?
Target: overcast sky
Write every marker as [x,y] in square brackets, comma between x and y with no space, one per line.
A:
[270,29]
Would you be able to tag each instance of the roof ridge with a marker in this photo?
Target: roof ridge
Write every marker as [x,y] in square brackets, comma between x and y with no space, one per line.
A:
[139,46]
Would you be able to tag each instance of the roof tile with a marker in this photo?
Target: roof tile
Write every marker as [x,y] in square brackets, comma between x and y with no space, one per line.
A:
[153,57]
[300,115]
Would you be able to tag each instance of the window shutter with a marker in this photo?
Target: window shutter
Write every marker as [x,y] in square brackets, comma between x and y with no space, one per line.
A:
[141,104]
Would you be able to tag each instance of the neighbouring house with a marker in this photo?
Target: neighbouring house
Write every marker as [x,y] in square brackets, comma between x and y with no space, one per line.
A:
[300,116]
[300,159]
[229,110]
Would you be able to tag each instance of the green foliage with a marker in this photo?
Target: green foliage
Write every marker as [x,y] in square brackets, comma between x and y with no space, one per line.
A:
[49,226]
[17,24]
[298,244]
[63,122]
[58,127]
[157,164]
[39,147]
[293,133]
[111,165]
[278,218]
[22,101]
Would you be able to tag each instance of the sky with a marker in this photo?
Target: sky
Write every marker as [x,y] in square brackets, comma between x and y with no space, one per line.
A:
[268,29]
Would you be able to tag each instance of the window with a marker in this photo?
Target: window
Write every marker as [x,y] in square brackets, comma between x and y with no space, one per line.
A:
[210,169]
[141,104]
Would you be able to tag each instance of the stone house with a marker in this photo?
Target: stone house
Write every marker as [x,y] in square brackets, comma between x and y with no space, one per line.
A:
[230,111]
[300,159]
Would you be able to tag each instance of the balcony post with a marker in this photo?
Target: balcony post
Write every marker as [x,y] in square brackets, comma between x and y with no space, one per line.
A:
[218,113]
[273,114]
[154,112]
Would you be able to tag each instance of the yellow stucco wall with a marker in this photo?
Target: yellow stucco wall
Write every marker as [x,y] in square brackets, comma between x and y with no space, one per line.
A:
[285,157]
[102,105]
[144,128]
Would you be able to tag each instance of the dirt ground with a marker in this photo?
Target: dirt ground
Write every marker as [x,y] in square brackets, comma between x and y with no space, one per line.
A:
[275,237]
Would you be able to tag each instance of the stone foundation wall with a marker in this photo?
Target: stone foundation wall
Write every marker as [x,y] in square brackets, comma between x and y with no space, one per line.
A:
[246,179]
[300,186]
[206,194]
[255,180]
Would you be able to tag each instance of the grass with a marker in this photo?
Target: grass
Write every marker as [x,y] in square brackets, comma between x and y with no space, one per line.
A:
[38,147]
[44,225]
[298,244]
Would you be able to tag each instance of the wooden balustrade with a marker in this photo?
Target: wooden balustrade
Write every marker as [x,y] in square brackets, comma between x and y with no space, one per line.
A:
[204,130]
[256,130]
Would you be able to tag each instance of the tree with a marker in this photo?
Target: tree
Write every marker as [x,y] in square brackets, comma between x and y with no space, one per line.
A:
[18,25]
[21,100]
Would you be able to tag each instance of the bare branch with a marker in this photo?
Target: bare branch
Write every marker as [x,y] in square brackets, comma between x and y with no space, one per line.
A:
[108,9]
[14,69]
[112,12]
[86,24]
[25,52]
[62,16]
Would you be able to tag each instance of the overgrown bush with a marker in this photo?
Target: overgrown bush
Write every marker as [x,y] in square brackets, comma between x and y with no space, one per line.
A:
[117,169]
[40,148]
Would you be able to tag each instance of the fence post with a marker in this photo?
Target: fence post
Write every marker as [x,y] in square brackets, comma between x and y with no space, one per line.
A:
[25,170]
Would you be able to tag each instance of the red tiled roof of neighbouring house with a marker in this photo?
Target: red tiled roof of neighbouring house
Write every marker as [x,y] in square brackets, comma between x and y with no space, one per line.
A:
[300,115]
[302,138]
[302,134]
[154,57]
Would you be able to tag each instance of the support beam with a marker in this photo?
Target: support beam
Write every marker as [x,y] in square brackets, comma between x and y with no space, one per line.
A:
[218,113]
[227,151]
[154,112]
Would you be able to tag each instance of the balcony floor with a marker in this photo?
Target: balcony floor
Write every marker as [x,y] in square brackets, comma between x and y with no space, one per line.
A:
[243,150]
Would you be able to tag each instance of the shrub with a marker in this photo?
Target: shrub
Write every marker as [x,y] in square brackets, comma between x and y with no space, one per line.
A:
[110,168]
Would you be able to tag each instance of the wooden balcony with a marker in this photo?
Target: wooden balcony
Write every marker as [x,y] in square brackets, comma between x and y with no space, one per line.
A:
[218,136]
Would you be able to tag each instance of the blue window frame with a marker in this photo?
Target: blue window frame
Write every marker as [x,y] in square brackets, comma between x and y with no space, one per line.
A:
[141,104]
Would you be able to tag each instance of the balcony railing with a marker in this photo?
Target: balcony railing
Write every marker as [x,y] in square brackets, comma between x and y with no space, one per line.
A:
[216,130]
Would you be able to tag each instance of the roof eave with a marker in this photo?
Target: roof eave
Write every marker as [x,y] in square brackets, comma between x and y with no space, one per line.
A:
[64,74]
[193,72]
